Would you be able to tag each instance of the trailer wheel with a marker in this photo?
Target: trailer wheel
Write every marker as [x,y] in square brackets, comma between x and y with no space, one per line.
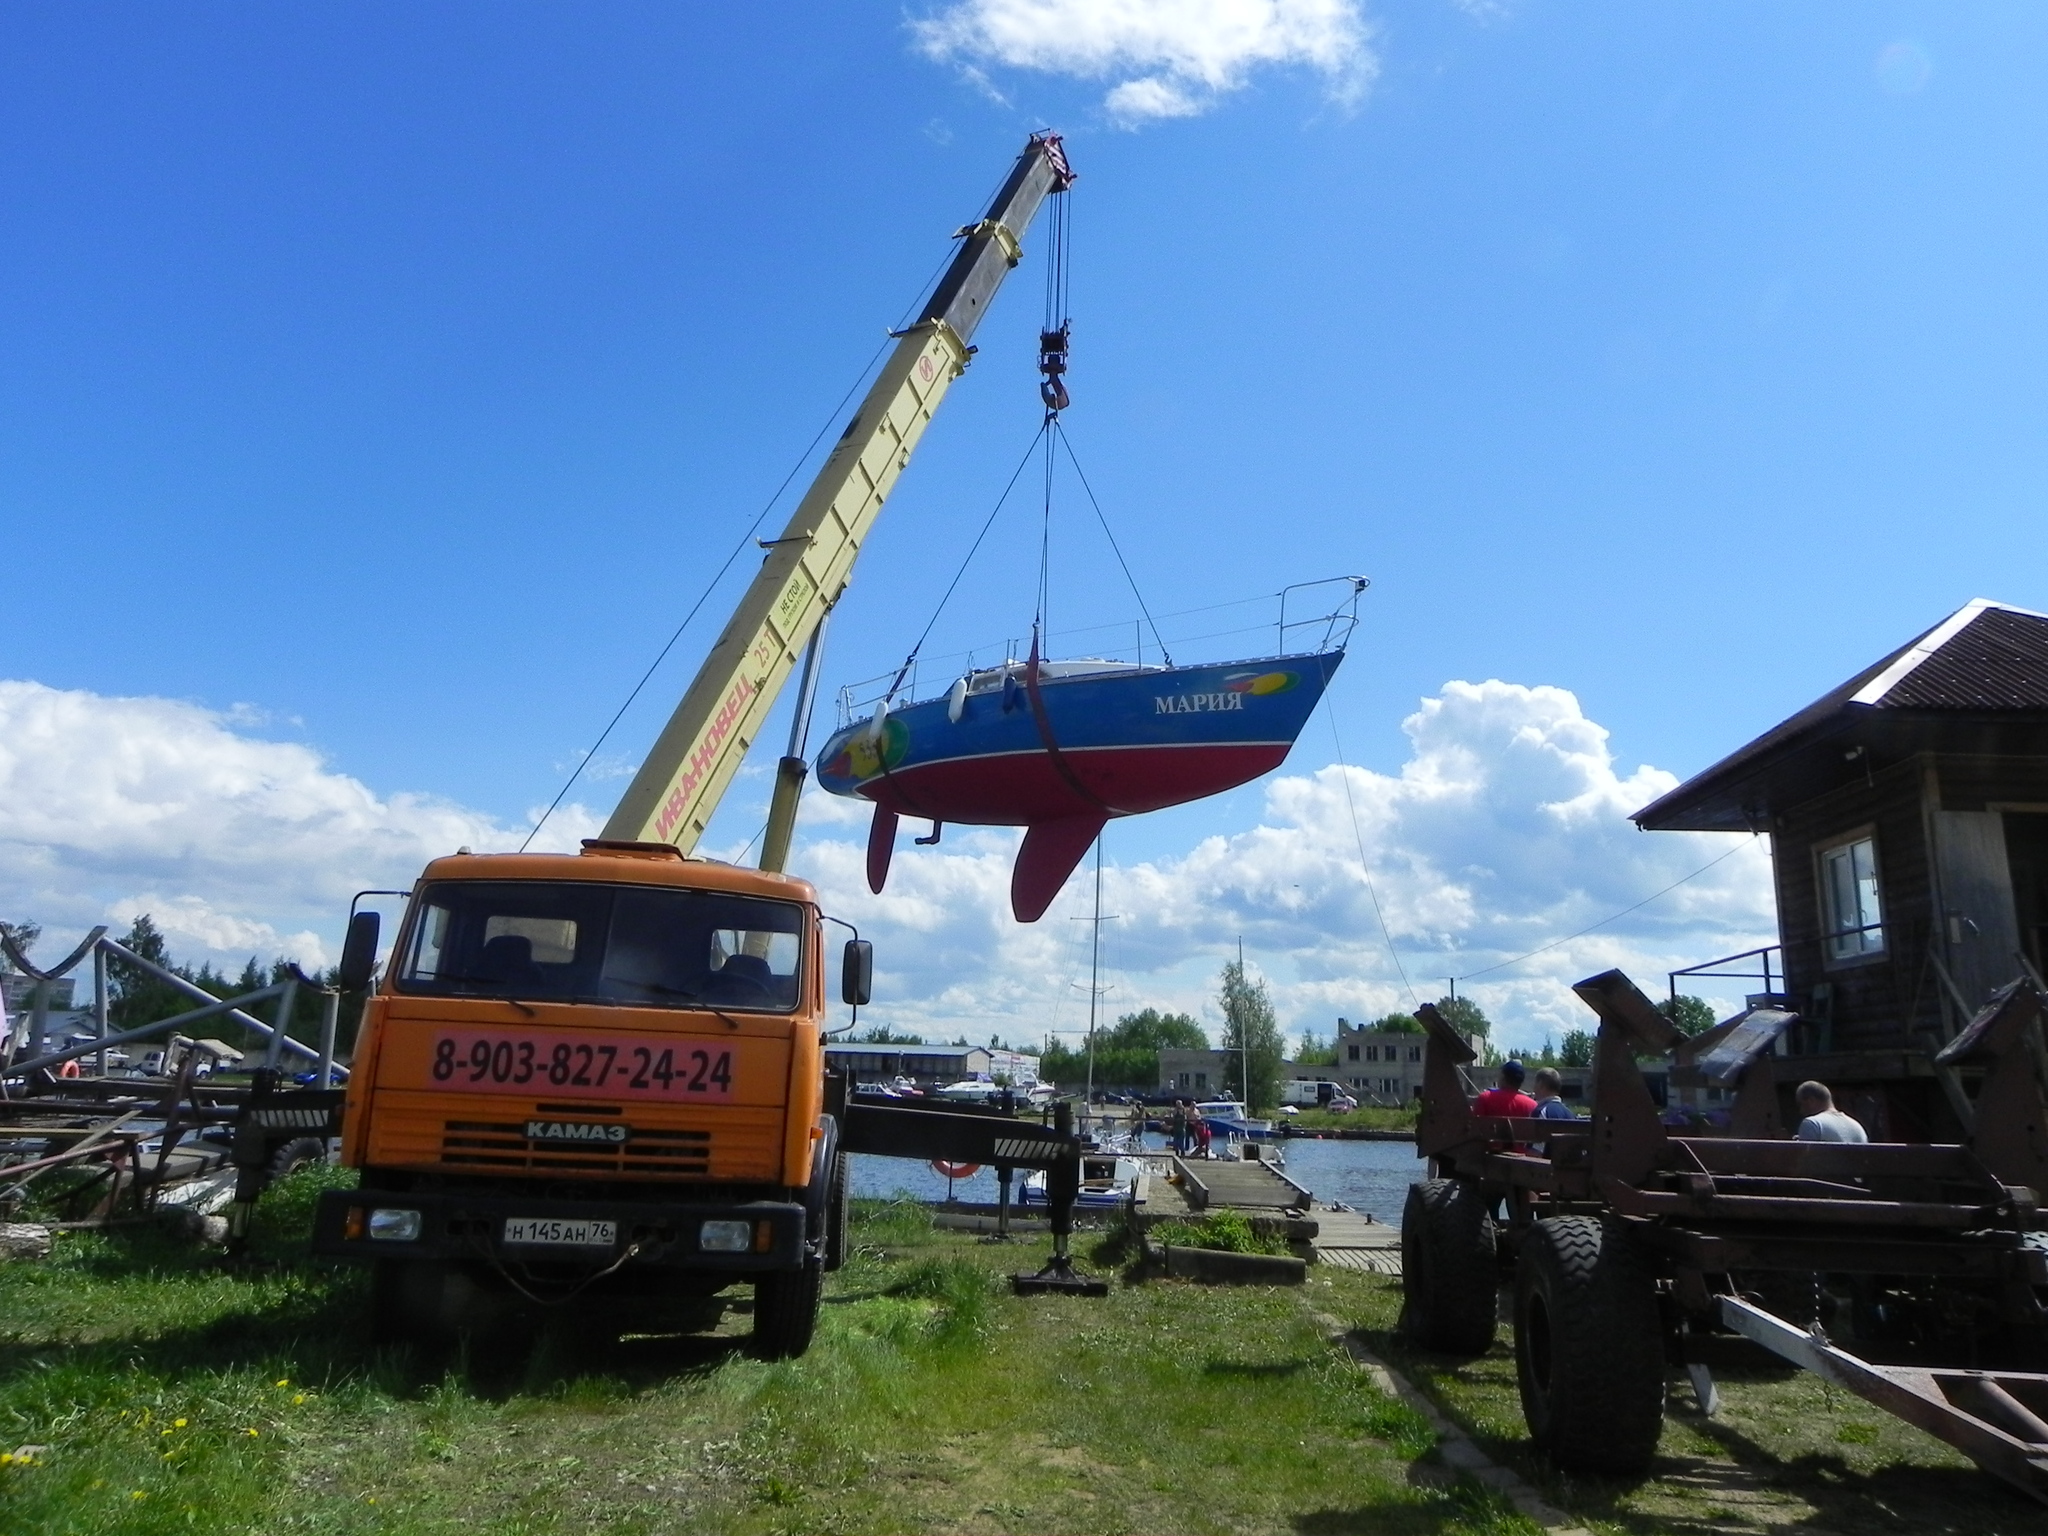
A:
[786,1310]
[1450,1279]
[1793,1295]
[295,1154]
[1589,1346]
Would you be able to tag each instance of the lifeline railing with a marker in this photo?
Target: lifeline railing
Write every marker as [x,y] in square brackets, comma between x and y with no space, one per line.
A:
[857,700]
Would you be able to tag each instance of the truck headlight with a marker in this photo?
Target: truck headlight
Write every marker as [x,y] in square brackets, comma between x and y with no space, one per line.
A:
[394,1226]
[725,1236]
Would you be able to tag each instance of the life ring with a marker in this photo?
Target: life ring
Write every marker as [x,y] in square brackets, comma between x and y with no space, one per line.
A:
[955,1170]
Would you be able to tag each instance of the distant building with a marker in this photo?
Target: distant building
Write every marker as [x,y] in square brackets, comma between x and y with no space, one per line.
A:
[20,992]
[1908,817]
[1379,1066]
[929,1065]
[1199,1074]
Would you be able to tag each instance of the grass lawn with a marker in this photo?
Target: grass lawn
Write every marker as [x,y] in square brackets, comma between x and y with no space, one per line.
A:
[172,1393]
[1785,1453]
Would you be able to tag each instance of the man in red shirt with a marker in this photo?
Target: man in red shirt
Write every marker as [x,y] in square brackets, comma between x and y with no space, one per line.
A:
[1507,1098]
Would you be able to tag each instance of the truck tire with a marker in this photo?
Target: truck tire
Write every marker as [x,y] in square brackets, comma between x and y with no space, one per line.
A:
[786,1310]
[1450,1278]
[407,1301]
[835,1215]
[1589,1346]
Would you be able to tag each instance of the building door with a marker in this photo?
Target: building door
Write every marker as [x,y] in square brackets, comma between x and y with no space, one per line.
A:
[2026,850]
[1979,929]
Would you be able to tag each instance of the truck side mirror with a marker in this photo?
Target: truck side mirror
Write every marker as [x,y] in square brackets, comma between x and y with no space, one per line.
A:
[857,973]
[359,953]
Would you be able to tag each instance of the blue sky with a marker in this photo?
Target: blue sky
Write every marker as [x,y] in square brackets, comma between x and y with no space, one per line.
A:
[387,381]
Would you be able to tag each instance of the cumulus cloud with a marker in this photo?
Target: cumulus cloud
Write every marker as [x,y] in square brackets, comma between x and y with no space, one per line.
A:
[235,845]
[1505,830]
[1166,58]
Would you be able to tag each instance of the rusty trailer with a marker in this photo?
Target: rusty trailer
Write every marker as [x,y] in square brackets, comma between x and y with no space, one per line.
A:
[1633,1249]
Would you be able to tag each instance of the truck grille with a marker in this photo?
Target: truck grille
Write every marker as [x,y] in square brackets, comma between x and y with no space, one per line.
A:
[503,1146]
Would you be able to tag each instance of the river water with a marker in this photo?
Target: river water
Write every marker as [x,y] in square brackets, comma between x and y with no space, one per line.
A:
[1370,1176]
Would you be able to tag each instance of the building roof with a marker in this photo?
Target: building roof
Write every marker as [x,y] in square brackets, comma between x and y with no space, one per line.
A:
[1976,682]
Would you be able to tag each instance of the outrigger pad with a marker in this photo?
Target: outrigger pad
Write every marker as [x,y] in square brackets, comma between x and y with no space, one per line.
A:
[1059,1278]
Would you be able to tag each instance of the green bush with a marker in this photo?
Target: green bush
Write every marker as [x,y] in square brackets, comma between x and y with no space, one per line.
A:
[1224,1231]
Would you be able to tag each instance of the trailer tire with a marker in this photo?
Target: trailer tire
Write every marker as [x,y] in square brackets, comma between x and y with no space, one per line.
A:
[1589,1346]
[1793,1295]
[296,1154]
[1450,1278]
[786,1310]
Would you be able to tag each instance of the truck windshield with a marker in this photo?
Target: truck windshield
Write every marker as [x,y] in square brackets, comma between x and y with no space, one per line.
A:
[648,946]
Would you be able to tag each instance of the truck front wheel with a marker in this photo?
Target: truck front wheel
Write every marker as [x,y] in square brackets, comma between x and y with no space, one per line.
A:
[786,1310]
[408,1302]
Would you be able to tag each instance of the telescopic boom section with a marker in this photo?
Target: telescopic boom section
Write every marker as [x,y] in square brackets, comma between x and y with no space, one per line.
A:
[678,787]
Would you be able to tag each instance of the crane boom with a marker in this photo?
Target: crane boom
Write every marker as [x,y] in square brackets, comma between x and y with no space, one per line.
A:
[672,797]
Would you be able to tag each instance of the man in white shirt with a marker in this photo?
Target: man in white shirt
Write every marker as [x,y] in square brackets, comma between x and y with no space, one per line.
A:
[1823,1121]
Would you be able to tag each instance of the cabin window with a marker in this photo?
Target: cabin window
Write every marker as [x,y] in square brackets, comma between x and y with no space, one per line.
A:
[1852,923]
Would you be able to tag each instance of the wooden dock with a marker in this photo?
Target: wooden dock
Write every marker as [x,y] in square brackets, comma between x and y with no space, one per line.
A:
[1347,1239]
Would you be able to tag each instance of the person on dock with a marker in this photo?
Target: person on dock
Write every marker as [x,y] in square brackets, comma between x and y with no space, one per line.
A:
[1203,1135]
[1506,1096]
[1823,1121]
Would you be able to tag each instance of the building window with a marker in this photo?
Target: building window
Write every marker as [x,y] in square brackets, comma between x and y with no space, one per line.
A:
[1372,1053]
[1201,1079]
[1354,1052]
[1415,1053]
[1852,925]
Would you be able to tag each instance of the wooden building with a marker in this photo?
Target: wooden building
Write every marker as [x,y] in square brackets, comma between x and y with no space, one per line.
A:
[1908,817]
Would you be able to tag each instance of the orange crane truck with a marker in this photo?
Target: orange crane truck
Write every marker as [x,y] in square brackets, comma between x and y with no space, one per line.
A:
[607,1069]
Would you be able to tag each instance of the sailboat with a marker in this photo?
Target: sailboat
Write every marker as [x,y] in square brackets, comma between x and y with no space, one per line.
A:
[1061,747]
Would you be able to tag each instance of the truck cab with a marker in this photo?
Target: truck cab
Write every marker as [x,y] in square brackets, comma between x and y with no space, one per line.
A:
[603,1066]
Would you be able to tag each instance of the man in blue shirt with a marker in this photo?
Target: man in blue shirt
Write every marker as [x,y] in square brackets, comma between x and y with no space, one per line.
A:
[1549,1106]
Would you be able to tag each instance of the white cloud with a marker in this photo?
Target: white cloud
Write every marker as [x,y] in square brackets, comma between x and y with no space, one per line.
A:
[1505,830]
[1168,58]
[114,806]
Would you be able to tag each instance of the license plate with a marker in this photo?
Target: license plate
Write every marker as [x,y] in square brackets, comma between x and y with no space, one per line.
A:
[551,1232]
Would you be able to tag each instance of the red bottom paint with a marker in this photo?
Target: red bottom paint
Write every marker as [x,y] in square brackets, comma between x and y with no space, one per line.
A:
[1028,787]
[1063,802]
